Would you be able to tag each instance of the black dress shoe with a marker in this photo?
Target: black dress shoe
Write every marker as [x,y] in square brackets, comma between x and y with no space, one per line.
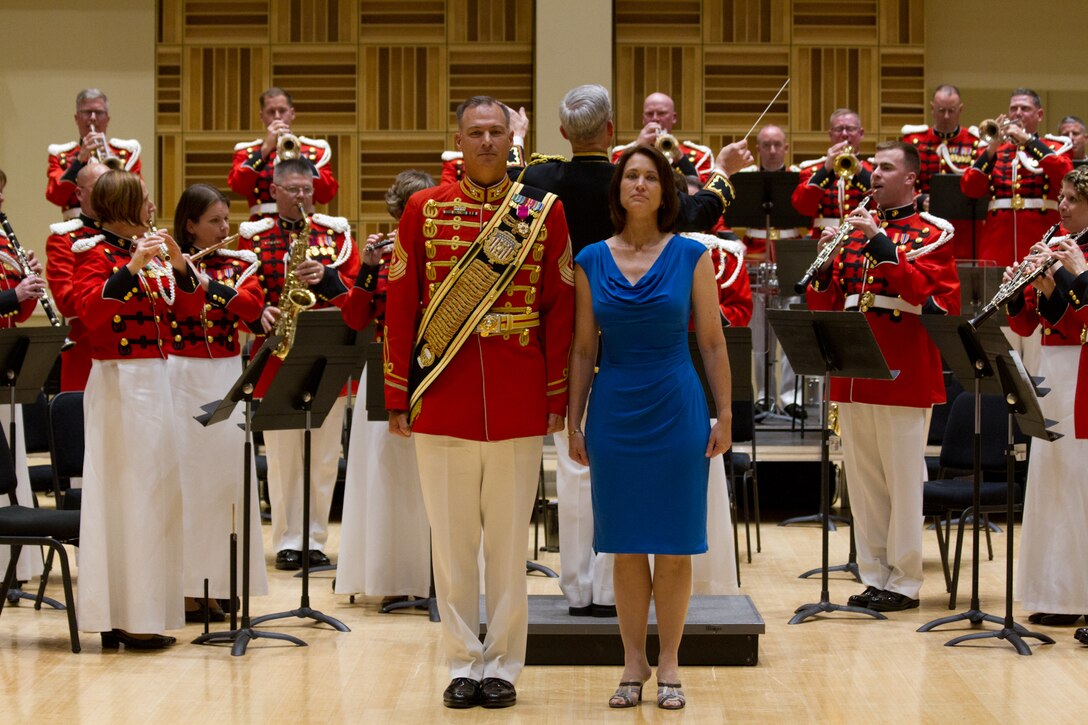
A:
[604,610]
[289,560]
[1036,617]
[318,558]
[864,599]
[1058,620]
[1081,635]
[462,692]
[797,411]
[116,637]
[496,693]
[586,611]
[887,601]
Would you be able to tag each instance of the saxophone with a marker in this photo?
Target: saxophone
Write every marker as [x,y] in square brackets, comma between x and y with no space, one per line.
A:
[295,296]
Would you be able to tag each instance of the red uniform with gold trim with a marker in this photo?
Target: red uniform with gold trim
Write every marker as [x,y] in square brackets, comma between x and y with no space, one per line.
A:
[1077,294]
[945,153]
[126,315]
[330,244]
[251,174]
[817,193]
[734,287]
[1024,186]
[497,386]
[12,311]
[695,159]
[233,297]
[877,278]
[64,164]
[365,301]
[60,265]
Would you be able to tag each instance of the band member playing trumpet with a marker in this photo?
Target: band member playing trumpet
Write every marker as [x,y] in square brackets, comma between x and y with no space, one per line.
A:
[127,280]
[329,270]
[891,269]
[658,119]
[205,360]
[1022,173]
[1056,502]
[255,161]
[833,185]
[66,159]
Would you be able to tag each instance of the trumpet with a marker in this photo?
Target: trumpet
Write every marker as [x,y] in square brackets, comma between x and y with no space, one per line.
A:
[667,144]
[103,154]
[993,130]
[217,246]
[846,163]
[1025,274]
[288,146]
[24,262]
[828,250]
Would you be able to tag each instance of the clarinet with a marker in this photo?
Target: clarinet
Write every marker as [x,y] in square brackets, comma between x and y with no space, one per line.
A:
[47,304]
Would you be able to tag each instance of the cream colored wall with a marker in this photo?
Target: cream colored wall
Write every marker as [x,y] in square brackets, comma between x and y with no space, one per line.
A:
[573,47]
[46,58]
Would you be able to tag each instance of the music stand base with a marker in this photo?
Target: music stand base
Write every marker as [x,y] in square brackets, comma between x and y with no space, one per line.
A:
[531,566]
[816,519]
[430,603]
[242,637]
[1013,635]
[974,616]
[304,613]
[323,567]
[14,595]
[811,610]
[850,567]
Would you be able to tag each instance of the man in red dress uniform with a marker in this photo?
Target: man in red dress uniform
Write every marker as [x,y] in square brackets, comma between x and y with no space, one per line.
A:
[659,117]
[825,195]
[479,322]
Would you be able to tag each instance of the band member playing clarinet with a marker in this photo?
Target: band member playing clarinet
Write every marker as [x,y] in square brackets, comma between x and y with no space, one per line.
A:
[891,269]
[1055,527]
[205,360]
[130,535]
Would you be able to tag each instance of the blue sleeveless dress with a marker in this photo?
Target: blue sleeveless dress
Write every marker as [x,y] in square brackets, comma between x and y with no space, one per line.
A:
[647,424]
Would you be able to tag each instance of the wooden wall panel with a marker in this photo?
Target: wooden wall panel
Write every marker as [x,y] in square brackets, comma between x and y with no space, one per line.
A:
[746,21]
[422,21]
[675,70]
[322,81]
[502,71]
[221,85]
[655,23]
[490,21]
[230,23]
[741,81]
[314,21]
[902,89]
[846,22]
[401,87]
[168,78]
[381,157]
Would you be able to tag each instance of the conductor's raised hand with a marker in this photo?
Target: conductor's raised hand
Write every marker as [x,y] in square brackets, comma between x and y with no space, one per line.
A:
[733,157]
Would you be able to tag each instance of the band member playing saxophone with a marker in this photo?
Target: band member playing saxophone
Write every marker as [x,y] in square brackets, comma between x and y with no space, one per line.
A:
[254,161]
[1056,502]
[891,269]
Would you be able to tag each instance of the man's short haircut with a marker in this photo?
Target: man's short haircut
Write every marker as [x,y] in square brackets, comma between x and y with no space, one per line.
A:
[292,166]
[670,202]
[1078,179]
[1074,119]
[118,196]
[842,112]
[910,154]
[91,94]
[1038,102]
[946,89]
[404,185]
[275,91]
[584,111]
[476,101]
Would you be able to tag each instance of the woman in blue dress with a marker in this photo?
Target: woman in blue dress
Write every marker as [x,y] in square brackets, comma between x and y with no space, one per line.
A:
[648,440]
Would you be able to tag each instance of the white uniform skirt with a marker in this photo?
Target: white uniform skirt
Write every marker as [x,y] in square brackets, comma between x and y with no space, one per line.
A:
[30,560]
[130,570]
[1055,531]
[384,536]
[212,479]
[715,572]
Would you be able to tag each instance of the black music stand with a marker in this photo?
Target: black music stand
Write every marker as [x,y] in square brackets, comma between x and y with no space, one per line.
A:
[839,344]
[376,411]
[325,352]
[978,283]
[947,201]
[28,354]
[216,412]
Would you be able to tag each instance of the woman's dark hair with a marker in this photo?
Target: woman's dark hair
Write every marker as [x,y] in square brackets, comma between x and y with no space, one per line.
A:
[118,196]
[191,206]
[670,203]
[407,183]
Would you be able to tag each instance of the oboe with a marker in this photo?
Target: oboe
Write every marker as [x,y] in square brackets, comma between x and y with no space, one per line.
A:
[47,304]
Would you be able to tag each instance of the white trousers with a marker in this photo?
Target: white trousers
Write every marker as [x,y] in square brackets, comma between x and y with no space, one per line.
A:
[715,572]
[585,576]
[475,489]
[884,452]
[285,451]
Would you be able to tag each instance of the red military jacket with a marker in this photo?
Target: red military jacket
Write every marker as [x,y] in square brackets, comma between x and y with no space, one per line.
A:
[499,385]
[365,301]
[12,311]
[330,243]
[734,287]
[1076,291]
[892,279]
[60,263]
[233,296]
[1024,186]
[817,193]
[64,164]
[126,315]
[942,153]
[694,158]
[251,174]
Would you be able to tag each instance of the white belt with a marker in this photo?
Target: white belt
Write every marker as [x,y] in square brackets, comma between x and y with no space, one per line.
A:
[882,302]
[1019,202]
[775,233]
[71,213]
[257,209]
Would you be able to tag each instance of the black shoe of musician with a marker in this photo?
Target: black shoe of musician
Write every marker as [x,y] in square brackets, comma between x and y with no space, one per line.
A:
[462,692]
[318,558]
[604,610]
[796,411]
[289,560]
[864,599]
[887,601]
[496,693]
[1081,635]
[586,611]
